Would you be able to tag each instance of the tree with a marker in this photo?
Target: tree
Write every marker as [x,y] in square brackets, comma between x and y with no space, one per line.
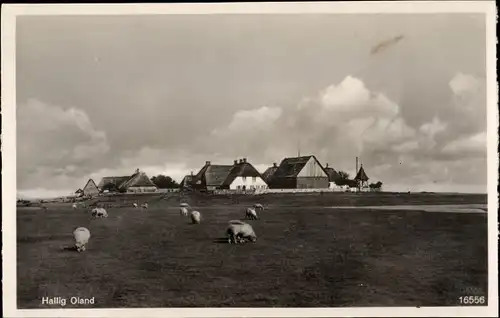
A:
[165,182]
[342,178]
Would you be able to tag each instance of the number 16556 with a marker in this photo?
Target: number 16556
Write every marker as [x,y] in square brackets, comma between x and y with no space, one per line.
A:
[471,300]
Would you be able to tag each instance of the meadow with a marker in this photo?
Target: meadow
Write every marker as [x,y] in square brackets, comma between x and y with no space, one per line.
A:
[306,254]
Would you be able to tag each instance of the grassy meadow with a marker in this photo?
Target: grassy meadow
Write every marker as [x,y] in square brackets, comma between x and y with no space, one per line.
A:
[306,255]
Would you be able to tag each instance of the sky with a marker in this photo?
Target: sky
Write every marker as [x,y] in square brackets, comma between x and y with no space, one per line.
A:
[103,95]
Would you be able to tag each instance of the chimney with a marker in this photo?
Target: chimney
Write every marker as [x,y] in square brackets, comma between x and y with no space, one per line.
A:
[207,163]
[327,165]
[137,170]
[244,160]
[241,160]
[192,174]
[235,162]
[275,165]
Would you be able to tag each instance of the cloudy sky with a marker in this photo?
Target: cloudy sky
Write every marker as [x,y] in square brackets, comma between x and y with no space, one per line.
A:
[99,96]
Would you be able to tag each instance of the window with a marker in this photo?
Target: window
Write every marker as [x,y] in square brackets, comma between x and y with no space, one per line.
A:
[244,179]
[254,179]
[238,187]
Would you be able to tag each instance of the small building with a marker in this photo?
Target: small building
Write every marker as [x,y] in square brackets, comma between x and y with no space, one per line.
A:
[90,188]
[361,178]
[79,193]
[243,176]
[304,172]
[210,177]
[268,174]
[333,177]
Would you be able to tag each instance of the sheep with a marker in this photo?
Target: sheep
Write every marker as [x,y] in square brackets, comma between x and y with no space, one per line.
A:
[135,205]
[239,232]
[82,236]
[99,213]
[184,211]
[75,206]
[251,214]
[258,206]
[195,217]
[145,205]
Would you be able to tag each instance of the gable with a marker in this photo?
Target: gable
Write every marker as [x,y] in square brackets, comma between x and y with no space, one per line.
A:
[312,168]
[90,186]
[241,170]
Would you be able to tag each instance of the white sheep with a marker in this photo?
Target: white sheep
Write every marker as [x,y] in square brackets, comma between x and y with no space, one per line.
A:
[135,205]
[251,214]
[239,232]
[82,236]
[99,213]
[195,217]
[145,205]
[75,206]
[184,211]
[258,206]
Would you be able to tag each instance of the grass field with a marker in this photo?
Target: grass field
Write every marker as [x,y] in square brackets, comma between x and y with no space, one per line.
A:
[305,255]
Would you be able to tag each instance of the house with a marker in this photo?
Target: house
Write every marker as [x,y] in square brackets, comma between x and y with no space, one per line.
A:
[112,183]
[333,177]
[79,193]
[243,176]
[268,174]
[138,182]
[210,177]
[304,172]
[90,188]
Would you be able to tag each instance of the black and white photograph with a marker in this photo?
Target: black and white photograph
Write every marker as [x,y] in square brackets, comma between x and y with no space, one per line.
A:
[273,159]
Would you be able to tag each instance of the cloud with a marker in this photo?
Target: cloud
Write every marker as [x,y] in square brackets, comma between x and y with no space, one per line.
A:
[53,143]
[475,144]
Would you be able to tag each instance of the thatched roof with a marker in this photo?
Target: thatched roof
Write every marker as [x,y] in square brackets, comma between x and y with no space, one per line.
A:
[361,176]
[138,179]
[79,191]
[187,180]
[291,167]
[268,174]
[333,175]
[242,169]
[216,174]
[116,181]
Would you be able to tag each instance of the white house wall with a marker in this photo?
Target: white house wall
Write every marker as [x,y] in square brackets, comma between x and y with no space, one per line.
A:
[249,183]
[312,169]
[142,189]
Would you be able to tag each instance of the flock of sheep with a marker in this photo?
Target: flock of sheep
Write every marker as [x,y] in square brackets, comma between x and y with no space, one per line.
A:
[237,230]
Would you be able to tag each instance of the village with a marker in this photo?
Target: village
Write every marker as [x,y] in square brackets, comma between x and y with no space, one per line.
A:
[292,175]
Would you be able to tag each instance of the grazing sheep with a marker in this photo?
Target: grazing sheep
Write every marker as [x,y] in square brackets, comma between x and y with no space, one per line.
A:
[195,217]
[45,209]
[251,214]
[184,211]
[239,233]
[135,205]
[75,206]
[258,206]
[99,213]
[82,236]
[145,205]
